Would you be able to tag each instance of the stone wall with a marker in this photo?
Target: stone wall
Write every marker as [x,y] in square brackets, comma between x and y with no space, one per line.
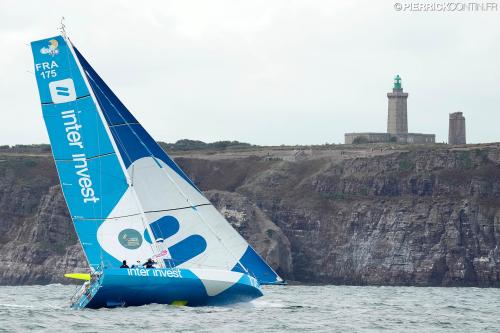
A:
[415,138]
[367,137]
[410,138]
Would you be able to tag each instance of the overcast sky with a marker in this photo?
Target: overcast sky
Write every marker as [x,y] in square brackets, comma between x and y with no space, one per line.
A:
[266,72]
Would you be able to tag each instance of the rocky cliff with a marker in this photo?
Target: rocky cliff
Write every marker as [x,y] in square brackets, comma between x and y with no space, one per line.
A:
[393,215]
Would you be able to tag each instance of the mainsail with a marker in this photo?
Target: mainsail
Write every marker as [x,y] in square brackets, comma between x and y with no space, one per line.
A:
[128,199]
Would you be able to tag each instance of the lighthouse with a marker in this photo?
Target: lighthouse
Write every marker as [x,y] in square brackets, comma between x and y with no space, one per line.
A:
[397,119]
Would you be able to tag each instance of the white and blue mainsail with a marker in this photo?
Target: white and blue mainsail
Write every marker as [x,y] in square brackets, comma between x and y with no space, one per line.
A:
[127,198]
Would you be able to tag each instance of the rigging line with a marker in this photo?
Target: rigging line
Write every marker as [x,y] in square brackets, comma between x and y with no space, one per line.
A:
[88,158]
[123,124]
[108,130]
[100,171]
[69,45]
[144,220]
[171,180]
[117,138]
[142,143]
[99,111]
[153,245]
[180,208]
[78,98]
[101,155]
[130,160]
[146,212]
[68,61]
[124,120]
[62,27]
[182,193]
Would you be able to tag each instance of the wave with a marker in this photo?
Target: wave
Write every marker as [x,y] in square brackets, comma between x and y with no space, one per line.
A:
[17,306]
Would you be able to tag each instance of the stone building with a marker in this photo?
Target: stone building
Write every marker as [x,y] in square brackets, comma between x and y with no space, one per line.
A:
[371,137]
[456,131]
[397,123]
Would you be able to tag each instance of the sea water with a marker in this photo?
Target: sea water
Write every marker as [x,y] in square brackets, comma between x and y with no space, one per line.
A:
[282,309]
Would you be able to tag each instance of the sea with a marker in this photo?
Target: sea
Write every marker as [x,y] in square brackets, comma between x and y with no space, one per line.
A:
[282,309]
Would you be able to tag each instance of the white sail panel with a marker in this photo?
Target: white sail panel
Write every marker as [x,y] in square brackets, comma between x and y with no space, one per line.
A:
[159,188]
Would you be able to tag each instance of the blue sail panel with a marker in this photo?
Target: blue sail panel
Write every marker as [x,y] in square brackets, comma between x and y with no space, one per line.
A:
[113,109]
[258,267]
[89,169]
[86,230]
[92,187]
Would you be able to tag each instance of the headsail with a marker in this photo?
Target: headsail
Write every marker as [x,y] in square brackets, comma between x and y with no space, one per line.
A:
[127,197]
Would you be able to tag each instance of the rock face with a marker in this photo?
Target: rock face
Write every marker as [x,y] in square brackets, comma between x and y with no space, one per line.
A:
[254,225]
[393,216]
[38,243]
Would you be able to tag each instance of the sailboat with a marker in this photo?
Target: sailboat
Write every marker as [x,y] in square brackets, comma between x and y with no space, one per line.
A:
[129,201]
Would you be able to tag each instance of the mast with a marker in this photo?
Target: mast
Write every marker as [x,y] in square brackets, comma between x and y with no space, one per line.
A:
[113,143]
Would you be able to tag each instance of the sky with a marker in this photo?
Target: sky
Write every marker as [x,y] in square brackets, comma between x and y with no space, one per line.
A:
[266,72]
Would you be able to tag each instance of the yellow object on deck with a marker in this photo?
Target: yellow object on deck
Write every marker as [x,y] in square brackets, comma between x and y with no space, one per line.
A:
[78,276]
[179,303]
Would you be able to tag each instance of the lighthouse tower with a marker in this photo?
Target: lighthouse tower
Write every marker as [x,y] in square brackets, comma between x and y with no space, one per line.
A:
[397,120]
[397,124]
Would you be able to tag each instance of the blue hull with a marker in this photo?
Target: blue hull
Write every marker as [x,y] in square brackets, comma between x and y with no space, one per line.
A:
[135,287]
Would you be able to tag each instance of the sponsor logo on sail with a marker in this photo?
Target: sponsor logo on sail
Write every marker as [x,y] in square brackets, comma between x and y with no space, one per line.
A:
[52,48]
[82,172]
[130,239]
[62,91]
[162,254]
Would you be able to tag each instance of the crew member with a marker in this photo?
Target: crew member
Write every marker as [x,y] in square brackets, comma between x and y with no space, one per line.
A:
[149,264]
